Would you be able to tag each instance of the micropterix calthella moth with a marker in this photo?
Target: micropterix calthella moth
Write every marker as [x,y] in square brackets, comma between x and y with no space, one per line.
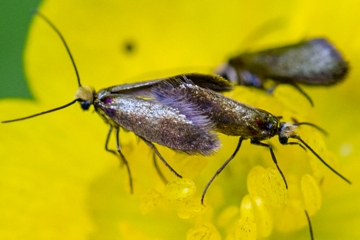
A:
[182,128]
[234,118]
[312,62]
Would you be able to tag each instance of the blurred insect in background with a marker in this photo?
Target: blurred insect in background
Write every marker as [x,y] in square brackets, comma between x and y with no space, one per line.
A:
[313,62]
[182,128]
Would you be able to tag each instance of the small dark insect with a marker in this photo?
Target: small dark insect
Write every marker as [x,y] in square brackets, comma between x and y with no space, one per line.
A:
[130,106]
[311,62]
[234,119]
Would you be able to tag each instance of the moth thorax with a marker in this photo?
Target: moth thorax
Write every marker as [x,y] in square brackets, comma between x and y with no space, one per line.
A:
[85,93]
[287,130]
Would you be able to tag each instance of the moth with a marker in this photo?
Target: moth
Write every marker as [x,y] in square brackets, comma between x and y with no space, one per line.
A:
[312,62]
[131,107]
[234,118]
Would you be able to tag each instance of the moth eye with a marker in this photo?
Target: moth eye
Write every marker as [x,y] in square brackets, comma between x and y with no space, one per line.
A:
[283,140]
[85,105]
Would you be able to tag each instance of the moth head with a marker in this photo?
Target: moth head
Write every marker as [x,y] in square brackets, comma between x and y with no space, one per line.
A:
[286,130]
[85,96]
[228,72]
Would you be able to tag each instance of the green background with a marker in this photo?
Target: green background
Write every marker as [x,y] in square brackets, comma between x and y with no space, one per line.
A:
[15,18]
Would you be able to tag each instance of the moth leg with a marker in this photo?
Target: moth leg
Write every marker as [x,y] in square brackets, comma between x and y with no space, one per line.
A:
[161,175]
[310,227]
[117,130]
[220,169]
[152,146]
[273,158]
[303,93]
[294,143]
[107,141]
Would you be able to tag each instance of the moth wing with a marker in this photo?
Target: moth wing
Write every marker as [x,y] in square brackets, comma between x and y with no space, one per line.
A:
[209,81]
[133,87]
[169,126]
[213,82]
[166,94]
[315,61]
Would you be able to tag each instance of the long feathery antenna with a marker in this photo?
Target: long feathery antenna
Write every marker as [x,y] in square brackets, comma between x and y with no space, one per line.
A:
[38,114]
[317,155]
[64,42]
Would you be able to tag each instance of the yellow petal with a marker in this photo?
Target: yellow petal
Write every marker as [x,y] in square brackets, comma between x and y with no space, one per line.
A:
[57,180]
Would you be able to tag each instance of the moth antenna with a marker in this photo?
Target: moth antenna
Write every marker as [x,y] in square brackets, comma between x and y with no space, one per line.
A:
[323,131]
[317,155]
[63,41]
[73,63]
[41,113]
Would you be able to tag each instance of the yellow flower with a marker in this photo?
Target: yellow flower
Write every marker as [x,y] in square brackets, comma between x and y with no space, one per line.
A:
[58,182]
